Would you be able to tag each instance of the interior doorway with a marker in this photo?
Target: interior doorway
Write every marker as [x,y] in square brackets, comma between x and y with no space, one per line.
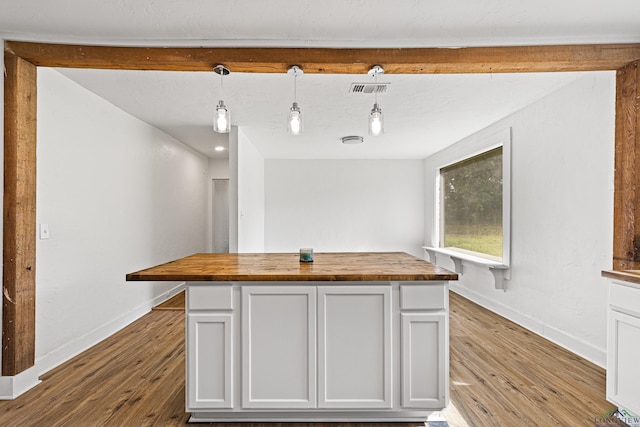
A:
[220,216]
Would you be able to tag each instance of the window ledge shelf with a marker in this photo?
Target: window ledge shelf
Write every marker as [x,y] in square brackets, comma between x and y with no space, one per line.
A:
[500,272]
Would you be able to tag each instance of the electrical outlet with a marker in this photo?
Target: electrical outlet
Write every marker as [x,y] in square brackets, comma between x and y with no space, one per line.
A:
[44,231]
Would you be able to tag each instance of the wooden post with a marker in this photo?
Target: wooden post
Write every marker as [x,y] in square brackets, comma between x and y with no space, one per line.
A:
[626,224]
[19,272]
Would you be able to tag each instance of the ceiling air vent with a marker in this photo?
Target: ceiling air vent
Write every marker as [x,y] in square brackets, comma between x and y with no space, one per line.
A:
[369,87]
[352,139]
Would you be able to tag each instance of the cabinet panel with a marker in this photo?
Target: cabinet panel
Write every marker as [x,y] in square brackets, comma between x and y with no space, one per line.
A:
[424,380]
[210,370]
[278,347]
[422,296]
[209,297]
[625,298]
[354,354]
[623,354]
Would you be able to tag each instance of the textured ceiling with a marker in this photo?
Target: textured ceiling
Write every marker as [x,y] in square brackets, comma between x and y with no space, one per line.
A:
[422,113]
[336,23]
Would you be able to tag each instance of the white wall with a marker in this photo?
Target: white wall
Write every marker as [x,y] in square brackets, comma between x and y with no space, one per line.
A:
[251,197]
[562,216]
[218,169]
[119,196]
[344,205]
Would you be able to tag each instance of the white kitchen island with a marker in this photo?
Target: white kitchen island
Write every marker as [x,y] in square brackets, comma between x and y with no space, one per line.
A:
[347,337]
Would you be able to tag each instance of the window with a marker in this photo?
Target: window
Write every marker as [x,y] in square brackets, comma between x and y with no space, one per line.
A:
[473,209]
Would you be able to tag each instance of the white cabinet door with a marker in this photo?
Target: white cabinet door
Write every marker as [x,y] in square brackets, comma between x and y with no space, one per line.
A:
[209,367]
[354,347]
[623,355]
[424,360]
[278,347]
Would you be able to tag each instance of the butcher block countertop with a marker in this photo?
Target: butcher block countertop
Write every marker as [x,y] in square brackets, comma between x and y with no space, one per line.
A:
[632,276]
[344,266]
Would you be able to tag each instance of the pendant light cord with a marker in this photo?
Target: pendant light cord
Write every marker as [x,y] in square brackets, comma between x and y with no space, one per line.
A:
[295,86]
[375,89]
[221,85]
[223,71]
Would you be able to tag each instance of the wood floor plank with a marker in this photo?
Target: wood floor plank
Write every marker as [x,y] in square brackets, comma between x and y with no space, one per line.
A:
[501,376]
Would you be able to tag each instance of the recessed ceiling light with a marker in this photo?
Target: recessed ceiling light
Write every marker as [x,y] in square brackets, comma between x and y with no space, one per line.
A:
[353,139]
[219,148]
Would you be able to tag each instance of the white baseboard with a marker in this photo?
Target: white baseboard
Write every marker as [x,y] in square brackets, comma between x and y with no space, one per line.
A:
[593,354]
[12,387]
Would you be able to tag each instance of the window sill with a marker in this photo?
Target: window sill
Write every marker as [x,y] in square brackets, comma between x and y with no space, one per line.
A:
[500,272]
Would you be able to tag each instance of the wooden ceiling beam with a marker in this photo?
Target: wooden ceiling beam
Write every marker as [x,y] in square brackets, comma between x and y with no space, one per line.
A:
[506,59]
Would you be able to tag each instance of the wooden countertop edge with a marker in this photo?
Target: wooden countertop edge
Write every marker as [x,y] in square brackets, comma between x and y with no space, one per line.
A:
[286,267]
[288,278]
[632,276]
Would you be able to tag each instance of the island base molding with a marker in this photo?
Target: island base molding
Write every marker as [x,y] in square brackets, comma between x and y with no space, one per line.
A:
[306,417]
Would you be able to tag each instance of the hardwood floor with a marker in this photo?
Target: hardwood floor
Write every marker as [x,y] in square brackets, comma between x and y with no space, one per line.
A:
[505,375]
[134,378]
[501,375]
[175,303]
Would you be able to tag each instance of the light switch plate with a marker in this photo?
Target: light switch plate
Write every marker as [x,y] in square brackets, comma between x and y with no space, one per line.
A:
[44,231]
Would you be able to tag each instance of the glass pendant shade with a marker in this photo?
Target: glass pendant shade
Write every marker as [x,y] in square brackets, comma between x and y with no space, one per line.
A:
[295,123]
[222,119]
[376,121]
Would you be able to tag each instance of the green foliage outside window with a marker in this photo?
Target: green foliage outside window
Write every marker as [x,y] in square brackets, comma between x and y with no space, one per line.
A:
[471,192]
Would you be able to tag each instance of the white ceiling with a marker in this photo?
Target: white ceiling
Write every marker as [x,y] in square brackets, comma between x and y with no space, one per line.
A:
[328,23]
[422,113]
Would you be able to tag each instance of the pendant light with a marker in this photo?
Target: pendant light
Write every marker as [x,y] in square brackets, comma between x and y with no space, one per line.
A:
[221,116]
[294,122]
[376,119]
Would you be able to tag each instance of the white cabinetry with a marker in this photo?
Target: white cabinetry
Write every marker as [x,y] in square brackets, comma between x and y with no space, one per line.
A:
[345,351]
[210,361]
[278,347]
[623,346]
[424,338]
[354,329]
[423,360]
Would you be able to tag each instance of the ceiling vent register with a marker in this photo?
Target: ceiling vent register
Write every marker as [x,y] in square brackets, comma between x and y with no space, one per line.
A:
[369,88]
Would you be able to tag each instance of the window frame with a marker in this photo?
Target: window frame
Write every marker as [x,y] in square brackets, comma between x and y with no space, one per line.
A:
[463,151]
